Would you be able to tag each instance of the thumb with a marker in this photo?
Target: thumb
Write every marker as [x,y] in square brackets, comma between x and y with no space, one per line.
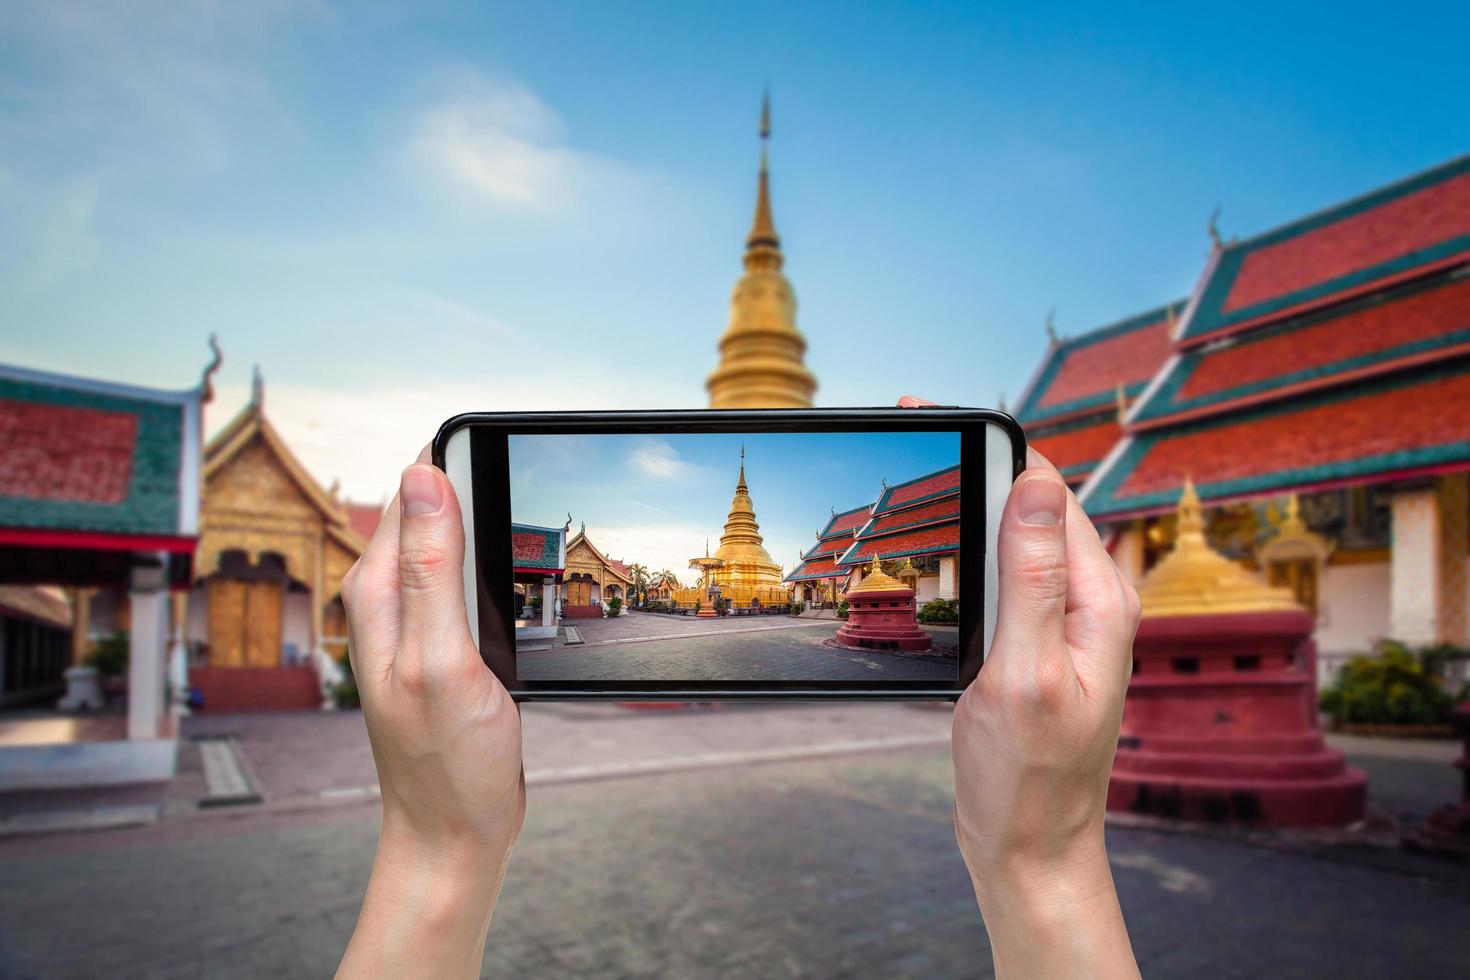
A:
[430,561]
[1032,565]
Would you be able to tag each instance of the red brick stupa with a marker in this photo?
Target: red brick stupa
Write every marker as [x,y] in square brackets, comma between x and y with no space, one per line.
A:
[881,615]
[1220,724]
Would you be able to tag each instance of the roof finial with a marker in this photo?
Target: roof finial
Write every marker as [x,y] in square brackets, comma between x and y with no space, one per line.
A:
[1215,243]
[741,484]
[1051,327]
[1121,397]
[763,229]
[257,389]
[206,383]
[568,525]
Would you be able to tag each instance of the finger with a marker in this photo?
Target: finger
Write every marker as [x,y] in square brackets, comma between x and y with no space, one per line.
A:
[914,401]
[1098,606]
[430,565]
[1033,571]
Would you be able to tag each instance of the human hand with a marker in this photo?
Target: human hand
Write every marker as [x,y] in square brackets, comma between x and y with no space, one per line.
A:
[446,738]
[1034,738]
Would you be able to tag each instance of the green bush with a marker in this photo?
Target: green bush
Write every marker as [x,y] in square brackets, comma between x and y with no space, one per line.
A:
[842,609]
[614,606]
[940,611]
[344,692]
[1394,687]
[110,655]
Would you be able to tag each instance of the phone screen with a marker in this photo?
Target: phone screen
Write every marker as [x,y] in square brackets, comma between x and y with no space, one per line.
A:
[736,557]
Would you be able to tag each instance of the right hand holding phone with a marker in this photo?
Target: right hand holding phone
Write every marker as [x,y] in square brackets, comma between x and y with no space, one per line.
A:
[1034,738]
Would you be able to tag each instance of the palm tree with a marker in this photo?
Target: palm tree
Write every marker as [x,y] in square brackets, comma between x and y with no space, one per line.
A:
[639,575]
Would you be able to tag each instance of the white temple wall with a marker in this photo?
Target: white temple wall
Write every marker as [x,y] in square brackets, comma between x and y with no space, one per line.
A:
[927,588]
[1354,613]
[296,626]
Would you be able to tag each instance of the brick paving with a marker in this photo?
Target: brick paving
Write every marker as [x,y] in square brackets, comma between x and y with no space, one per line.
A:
[833,867]
[647,646]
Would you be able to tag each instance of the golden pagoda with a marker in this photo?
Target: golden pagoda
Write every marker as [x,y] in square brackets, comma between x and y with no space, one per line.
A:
[1195,579]
[747,570]
[761,351]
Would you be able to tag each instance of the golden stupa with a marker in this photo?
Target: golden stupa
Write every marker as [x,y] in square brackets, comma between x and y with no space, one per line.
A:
[1194,579]
[761,351]
[742,549]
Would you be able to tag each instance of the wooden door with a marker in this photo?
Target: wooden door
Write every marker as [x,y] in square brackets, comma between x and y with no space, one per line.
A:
[579,593]
[226,607]
[245,623]
[263,606]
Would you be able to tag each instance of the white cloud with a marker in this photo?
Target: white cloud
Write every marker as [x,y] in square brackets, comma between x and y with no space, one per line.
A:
[659,546]
[659,459]
[501,145]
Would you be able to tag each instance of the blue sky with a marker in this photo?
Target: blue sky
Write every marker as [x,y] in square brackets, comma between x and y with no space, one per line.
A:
[655,499]
[405,211]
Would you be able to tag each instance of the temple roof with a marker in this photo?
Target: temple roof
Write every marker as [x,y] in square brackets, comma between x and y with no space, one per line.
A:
[79,456]
[934,539]
[537,549]
[846,521]
[919,490]
[1415,324]
[40,603]
[946,508]
[815,569]
[1082,374]
[1076,448]
[1408,423]
[1406,229]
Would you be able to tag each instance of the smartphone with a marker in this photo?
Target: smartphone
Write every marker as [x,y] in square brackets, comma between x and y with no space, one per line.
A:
[761,554]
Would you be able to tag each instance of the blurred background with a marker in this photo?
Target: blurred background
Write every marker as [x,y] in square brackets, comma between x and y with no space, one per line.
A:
[1217,262]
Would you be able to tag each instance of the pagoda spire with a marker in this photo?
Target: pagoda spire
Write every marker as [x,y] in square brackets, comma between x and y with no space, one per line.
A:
[741,484]
[762,352]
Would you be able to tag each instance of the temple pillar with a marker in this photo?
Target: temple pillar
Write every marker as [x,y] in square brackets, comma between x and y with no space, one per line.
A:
[81,625]
[1427,562]
[548,600]
[148,612]
[178,655]
[949,577]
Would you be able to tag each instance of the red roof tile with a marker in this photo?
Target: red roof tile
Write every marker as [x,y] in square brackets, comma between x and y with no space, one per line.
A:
[1397,227]
[946,508]
[842,524]
[1374,432]
[1098,368]
[364,518]
[923,541]
[1366,330]
[1070,450]
[817,568]
[945,481]
[54,452]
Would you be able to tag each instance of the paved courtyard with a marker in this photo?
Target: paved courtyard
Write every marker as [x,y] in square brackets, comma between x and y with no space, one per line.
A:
[650,646]
[735,841]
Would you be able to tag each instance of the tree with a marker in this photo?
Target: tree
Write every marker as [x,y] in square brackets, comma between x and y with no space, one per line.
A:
[639,575]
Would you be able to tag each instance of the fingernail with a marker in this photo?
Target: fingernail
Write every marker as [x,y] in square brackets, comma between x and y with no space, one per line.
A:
[419,493]
[1042,502]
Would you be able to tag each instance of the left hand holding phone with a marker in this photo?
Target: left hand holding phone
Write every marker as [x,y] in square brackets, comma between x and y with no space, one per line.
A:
[446,738]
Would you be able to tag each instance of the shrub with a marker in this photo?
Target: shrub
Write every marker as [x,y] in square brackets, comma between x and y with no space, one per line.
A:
[110,655]
[1392,688]
[939,611]
[344,692]
[614,606]
[842,609]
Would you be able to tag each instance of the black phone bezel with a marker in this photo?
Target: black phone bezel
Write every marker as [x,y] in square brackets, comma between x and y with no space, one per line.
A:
[489,464]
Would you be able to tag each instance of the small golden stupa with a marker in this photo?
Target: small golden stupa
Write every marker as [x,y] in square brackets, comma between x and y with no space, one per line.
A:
[1195,579]
[761,352]
[878,580]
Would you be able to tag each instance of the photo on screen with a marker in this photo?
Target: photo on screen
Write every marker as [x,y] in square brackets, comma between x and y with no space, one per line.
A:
[800,557]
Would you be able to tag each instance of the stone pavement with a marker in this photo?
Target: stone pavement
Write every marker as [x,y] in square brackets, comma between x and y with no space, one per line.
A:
[842,866]
[651,646]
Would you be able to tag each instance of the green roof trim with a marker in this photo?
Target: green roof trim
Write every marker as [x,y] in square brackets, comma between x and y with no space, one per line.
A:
[1209,316]
[550,546]
[152,502]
